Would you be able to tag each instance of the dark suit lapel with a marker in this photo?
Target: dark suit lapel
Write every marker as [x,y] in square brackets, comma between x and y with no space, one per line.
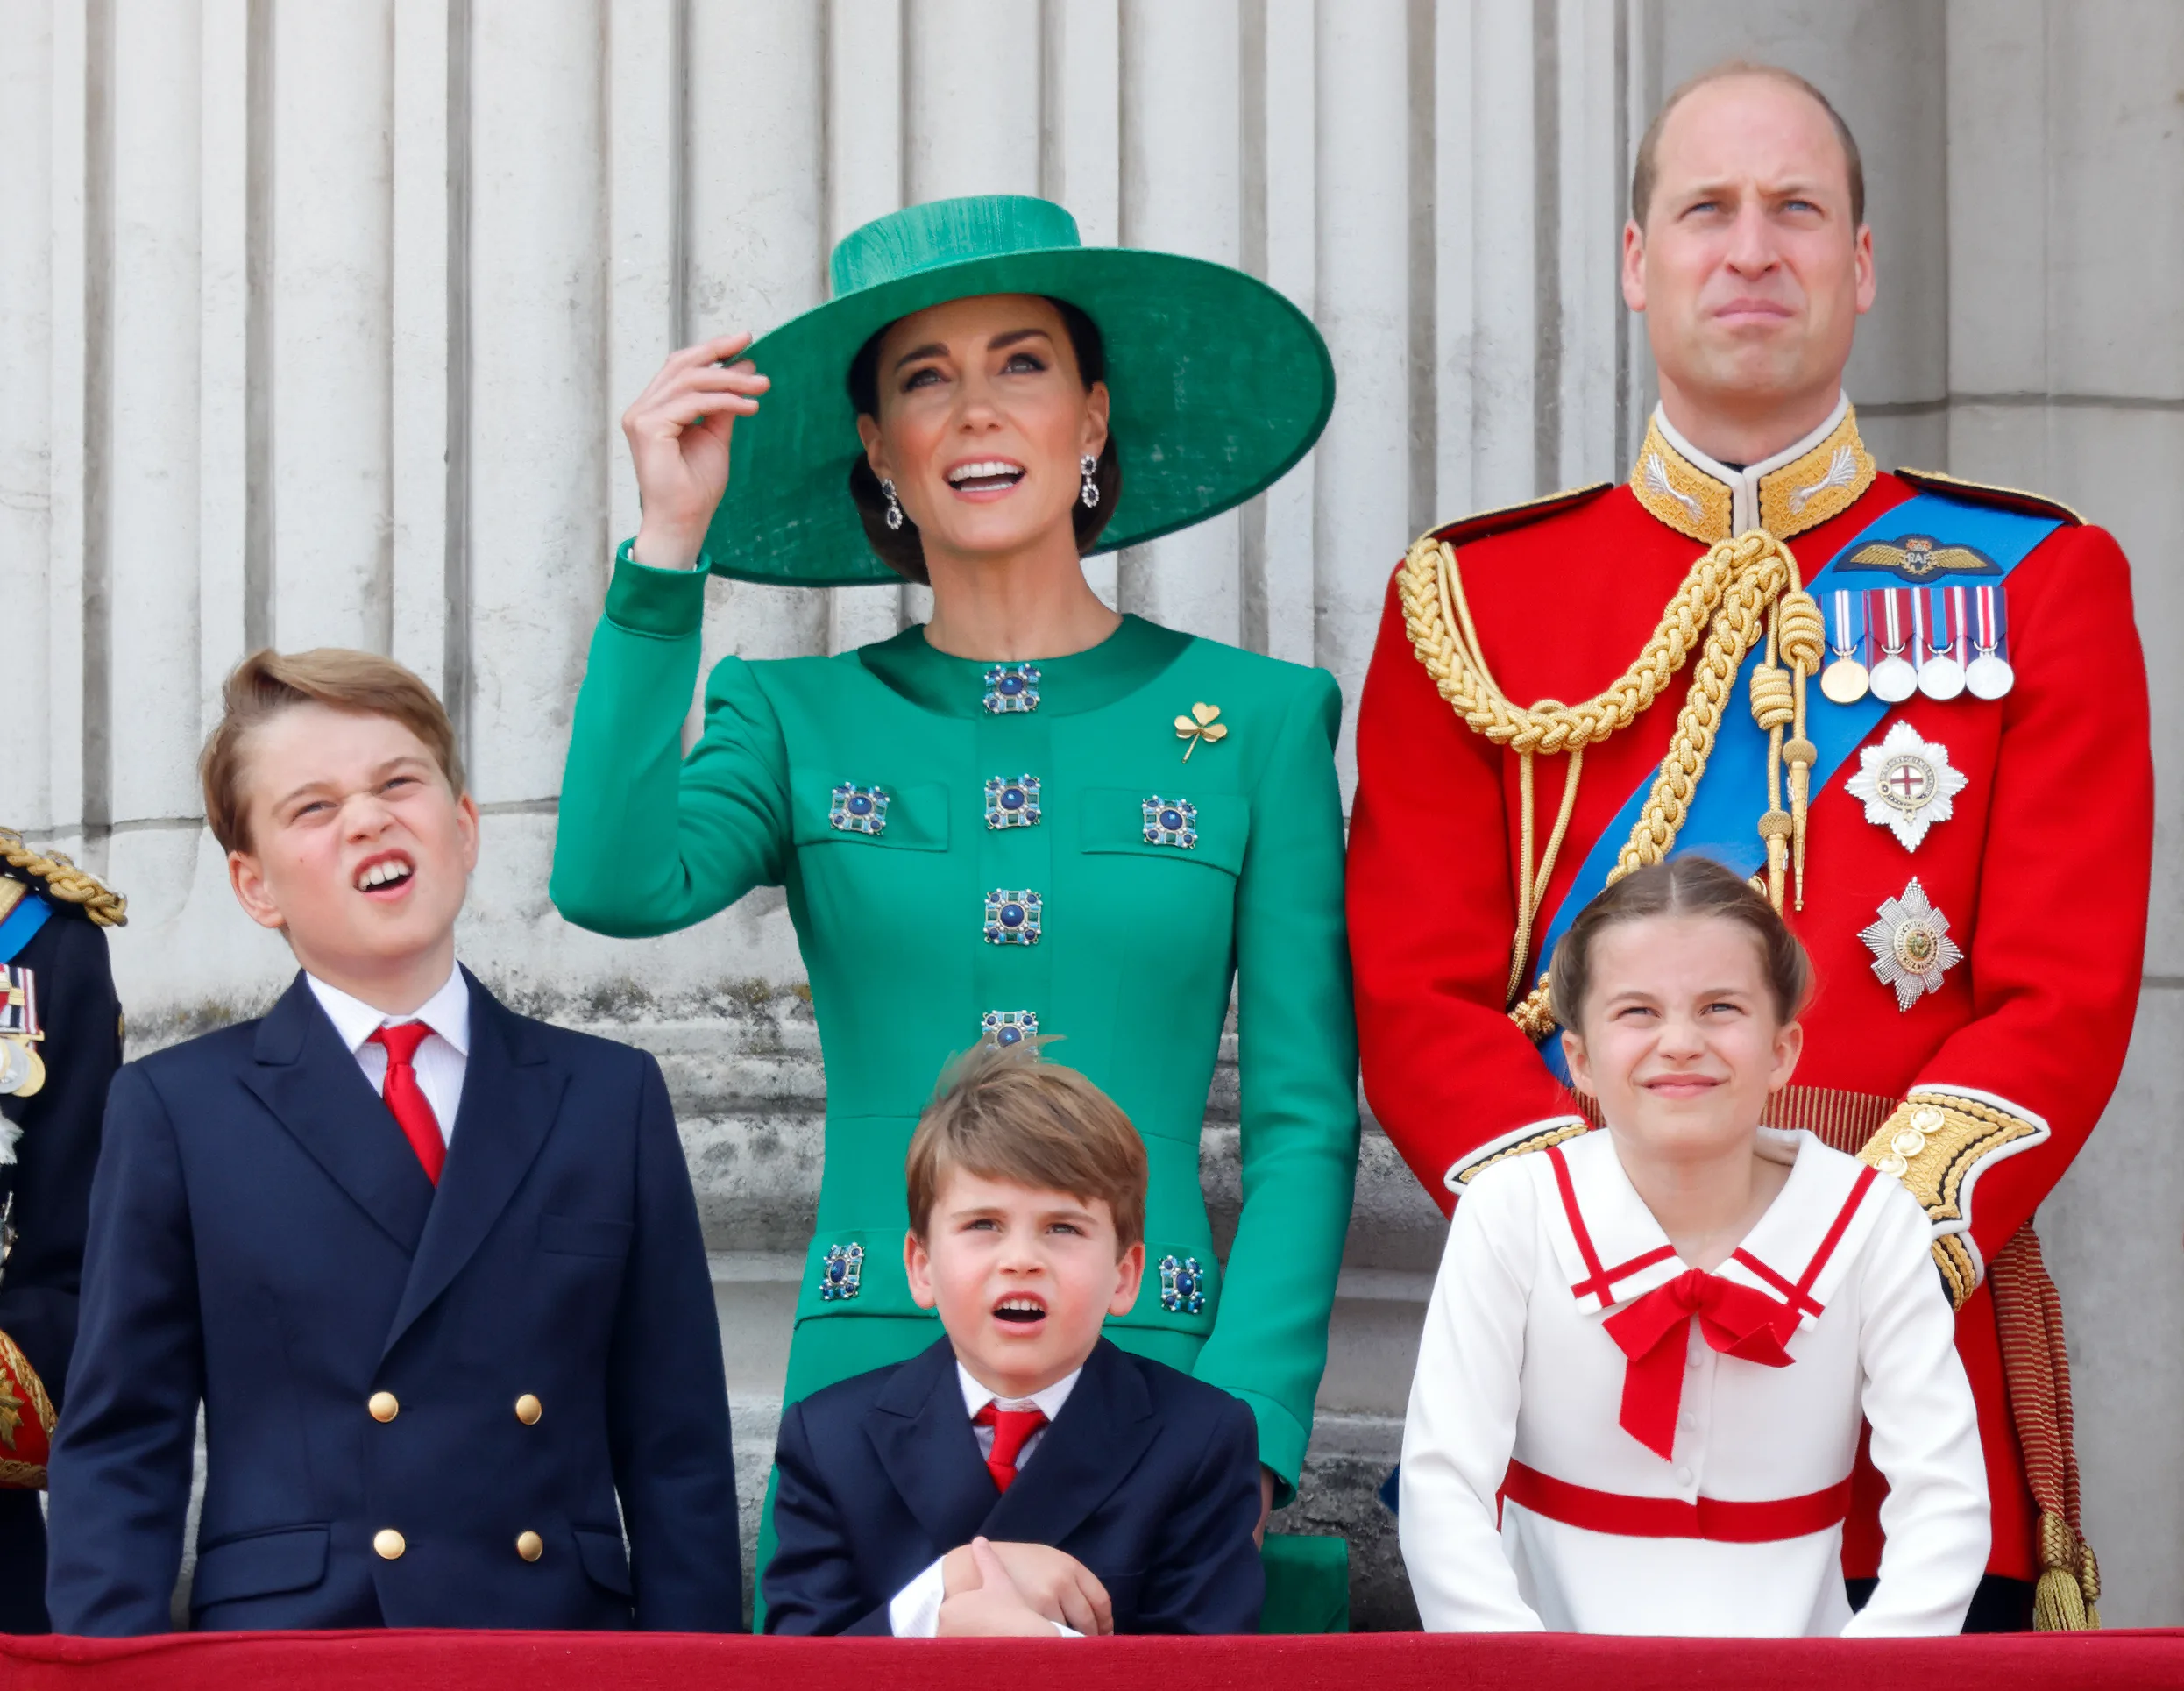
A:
[924,1441]
[511,1094]
[311,1083]
[1091,1448]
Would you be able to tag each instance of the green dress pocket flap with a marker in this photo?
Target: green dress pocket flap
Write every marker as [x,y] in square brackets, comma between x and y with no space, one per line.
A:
[1197,826]
[860,810]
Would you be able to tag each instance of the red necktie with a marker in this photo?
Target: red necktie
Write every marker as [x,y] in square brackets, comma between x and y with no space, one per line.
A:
[412,1108]
[1011,1428]
[1651,1332]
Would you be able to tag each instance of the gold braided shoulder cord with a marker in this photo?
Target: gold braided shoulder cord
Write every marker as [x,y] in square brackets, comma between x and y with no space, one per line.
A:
[1737,593]
[65,881]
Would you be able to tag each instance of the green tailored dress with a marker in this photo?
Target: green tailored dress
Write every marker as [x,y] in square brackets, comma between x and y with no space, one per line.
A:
[970,848]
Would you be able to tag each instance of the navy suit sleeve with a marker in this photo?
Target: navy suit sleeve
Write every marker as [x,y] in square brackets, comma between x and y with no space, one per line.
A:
[1207,1577]
[60,1145]
[121,1466]
[811,1584]
[668,1399]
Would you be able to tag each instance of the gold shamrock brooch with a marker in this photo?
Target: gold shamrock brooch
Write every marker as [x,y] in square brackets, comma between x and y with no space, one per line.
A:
[1203,724]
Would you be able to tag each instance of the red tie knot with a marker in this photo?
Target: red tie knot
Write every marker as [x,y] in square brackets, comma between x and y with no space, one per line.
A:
[1011,1427]
[401,1039]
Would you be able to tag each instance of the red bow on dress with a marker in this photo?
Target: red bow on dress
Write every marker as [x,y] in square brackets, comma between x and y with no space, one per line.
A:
[1735,1319]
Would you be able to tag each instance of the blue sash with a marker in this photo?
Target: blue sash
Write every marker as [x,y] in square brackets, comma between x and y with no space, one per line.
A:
[23,920]
[1723,821]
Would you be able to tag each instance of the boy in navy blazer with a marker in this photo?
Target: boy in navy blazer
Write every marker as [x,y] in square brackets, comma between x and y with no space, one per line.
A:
[432,1269]
[1023,1475]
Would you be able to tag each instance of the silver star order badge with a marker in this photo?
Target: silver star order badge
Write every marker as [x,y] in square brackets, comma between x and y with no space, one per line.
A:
[1910,945]
[1906,783]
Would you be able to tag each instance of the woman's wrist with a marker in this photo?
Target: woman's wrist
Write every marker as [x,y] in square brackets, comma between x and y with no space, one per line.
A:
[657,550]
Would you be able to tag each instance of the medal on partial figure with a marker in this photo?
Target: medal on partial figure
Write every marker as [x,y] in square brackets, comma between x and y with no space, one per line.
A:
[1894,678]
[1906,783]
[22,1070]
[1845,679]
[1910,945]
[1989,674]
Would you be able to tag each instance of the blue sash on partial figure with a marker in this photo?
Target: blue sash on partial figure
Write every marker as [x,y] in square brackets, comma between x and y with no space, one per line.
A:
[22,923]
[1722,822]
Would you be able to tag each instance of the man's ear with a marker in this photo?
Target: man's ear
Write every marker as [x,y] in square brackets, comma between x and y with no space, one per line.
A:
[1580,1068]
[1861,259]
[250,890]
[1129,1273]
[1633,265]
[918,1269]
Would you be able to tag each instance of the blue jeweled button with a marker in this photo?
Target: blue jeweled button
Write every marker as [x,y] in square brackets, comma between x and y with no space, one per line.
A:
[1013,918]
[1012,801]
[1012,688]
[1008,1027]
[858,810]
[1182,1286]
[1171,822]
[841,1273]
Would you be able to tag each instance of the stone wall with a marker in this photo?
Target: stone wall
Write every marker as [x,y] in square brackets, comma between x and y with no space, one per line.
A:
[315,322]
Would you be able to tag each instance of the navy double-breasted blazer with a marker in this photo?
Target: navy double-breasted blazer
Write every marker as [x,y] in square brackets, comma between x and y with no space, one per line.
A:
[1148,1477]
[264,1240]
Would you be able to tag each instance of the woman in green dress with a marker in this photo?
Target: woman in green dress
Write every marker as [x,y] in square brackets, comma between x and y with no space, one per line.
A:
[1029,814]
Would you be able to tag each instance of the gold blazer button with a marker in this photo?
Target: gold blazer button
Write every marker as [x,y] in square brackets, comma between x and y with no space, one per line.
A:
[389,1544]
[528,1408]
[384,1408]
[529,1546]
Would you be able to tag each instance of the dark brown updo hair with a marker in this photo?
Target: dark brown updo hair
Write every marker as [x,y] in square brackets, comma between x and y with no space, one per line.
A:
[1685,887]
[900,549]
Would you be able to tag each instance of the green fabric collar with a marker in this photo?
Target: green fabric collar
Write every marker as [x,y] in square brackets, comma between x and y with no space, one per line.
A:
[1126,660]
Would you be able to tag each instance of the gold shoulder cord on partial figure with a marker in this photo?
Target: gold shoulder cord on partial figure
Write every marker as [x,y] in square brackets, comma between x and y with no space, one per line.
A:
[1737,592]
[65,881]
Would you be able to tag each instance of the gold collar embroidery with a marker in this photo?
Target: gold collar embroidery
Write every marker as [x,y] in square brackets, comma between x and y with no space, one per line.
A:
[1786,497]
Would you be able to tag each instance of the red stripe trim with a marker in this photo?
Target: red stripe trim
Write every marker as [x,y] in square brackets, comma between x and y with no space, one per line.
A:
[1598,1282]
[1710,1518]
[1799,1296]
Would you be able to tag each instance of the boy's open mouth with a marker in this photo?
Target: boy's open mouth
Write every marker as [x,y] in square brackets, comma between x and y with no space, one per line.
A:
[1022,1310]
[385,875]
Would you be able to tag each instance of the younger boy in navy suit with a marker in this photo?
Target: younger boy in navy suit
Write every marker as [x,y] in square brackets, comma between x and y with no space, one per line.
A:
[1023,1475]
[433,1269]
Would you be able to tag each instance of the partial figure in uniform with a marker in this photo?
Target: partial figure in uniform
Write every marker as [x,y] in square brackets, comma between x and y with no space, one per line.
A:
[59,1045]
[1913,707]
[1682,1466]
[1029,814]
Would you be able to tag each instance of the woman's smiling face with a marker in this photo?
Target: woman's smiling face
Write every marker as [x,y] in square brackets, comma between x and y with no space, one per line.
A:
[983,419]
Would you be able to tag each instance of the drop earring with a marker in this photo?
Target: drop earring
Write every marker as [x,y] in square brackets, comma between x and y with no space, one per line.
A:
[1090,492]
[894,505]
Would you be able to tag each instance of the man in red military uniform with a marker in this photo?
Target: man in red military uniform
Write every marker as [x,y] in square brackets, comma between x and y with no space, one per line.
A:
[1915,708]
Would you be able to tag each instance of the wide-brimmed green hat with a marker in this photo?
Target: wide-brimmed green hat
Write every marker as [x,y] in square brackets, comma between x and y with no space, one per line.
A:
[1217,383]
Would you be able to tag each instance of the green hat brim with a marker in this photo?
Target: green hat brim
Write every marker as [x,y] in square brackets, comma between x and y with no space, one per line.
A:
[1218,385]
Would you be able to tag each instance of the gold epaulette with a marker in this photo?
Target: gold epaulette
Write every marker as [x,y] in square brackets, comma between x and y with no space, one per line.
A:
[1987,493]
[1935,1143]
[1503,518]
[63,880]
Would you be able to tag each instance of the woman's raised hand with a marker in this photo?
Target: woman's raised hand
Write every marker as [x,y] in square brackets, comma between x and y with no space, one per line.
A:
[677,430]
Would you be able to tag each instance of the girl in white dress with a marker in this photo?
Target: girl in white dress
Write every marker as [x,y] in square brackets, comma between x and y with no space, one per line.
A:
[1650,1350]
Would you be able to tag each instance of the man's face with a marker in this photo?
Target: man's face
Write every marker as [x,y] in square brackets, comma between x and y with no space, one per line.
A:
[1023,1279]
[1748,268]
[358,850]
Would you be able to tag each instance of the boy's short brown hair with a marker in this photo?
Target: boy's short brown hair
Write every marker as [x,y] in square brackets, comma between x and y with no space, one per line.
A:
[268,682]
[1003,1114]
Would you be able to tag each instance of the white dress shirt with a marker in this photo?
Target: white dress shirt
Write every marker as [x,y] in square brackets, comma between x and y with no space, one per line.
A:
[442,1058]
[1515,1365]
[914,1612]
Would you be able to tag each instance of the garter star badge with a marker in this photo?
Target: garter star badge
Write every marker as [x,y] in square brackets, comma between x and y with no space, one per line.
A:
[1910,945]
[1906,783]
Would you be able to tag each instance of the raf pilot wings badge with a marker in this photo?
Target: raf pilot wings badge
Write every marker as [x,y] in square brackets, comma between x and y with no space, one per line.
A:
[1917,557]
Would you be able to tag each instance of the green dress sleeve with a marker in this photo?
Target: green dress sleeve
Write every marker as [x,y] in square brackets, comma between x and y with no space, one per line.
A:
[649,841]
[1298,1060]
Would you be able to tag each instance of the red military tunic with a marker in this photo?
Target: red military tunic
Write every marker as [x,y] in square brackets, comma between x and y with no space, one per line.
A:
[2041,869]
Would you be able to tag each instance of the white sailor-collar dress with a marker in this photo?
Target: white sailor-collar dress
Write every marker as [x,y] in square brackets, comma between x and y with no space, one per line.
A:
[1670,1452]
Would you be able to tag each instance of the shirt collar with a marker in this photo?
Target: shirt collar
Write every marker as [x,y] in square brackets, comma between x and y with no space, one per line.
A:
[1799,487]
[446,1012]
[1049,1399]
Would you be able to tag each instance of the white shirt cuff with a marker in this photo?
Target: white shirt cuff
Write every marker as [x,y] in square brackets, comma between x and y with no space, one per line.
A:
[914,1612]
